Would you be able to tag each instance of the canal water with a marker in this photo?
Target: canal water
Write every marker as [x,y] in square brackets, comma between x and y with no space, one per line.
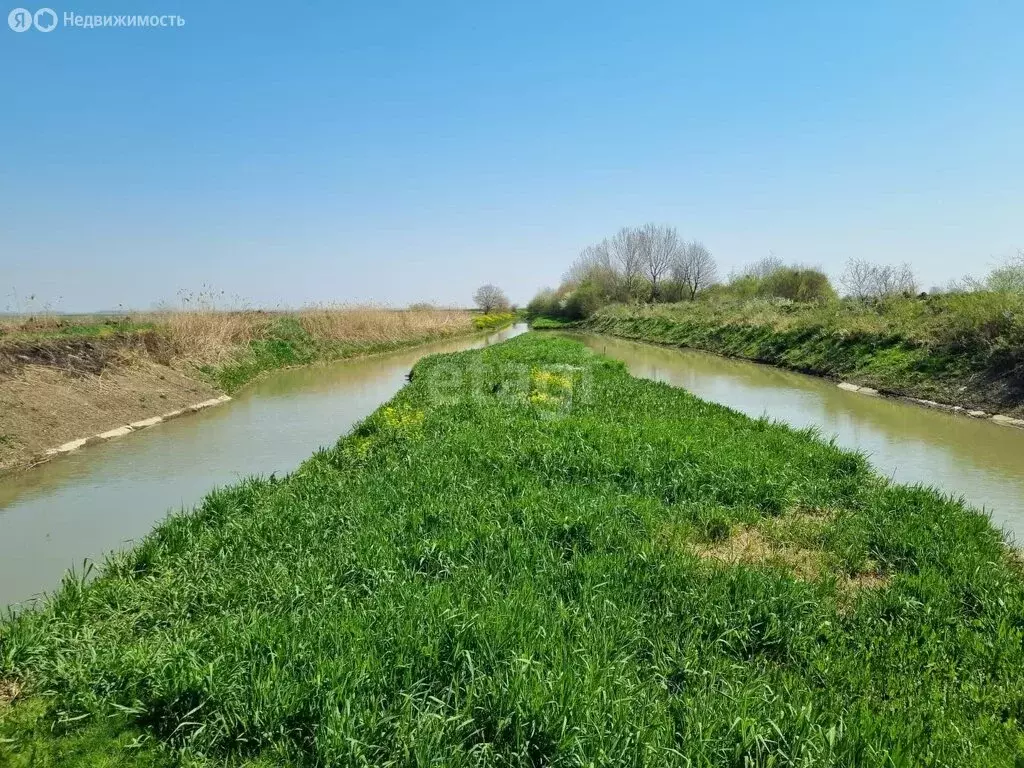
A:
[981,461]
[101,499]
[79,507]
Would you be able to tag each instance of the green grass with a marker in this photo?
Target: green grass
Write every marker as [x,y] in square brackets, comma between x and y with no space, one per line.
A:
[494,320]
[960,349]
[512,564]
[550,323]
[74,328]
[287,343]
[30,737]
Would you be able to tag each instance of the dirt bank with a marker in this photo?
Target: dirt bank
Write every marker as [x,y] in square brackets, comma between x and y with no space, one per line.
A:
[55,391]
[64,381]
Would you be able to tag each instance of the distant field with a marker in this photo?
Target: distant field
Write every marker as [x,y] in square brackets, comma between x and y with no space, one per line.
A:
[530,558]
[350,322]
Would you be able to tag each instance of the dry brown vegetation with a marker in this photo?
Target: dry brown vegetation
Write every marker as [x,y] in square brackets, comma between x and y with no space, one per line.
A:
[212,337]
[9,691]
[792,542]
[67,377]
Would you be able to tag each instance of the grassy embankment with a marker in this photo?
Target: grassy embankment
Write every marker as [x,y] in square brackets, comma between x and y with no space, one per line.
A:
[230,348]
[529,557]
[325,335]
[66,378]
[965,349]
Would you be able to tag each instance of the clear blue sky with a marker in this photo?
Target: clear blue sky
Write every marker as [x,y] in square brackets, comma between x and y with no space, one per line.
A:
[397,151]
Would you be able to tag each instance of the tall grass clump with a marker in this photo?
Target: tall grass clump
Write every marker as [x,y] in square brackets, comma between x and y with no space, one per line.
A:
[529,558]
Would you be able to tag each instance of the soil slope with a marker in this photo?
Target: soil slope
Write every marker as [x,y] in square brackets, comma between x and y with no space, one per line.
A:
[52,392]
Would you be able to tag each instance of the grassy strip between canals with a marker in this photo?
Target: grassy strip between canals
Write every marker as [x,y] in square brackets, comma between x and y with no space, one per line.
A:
[530,558]
[551,323]
[494,320]
[963,349]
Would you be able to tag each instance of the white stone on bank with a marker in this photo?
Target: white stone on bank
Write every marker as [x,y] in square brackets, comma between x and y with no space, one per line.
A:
[74,445]
[127,429]
[848,387]
[146,422]
[1008,420]
[206,404]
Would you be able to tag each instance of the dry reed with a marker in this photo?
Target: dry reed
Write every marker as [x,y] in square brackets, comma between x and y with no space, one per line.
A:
[214,336]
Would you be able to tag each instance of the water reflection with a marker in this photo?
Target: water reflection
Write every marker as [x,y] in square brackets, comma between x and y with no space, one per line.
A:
[981,461]
[103,497]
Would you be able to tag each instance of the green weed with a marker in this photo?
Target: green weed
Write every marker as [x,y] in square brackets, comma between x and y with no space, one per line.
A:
[493,321]
[474,580]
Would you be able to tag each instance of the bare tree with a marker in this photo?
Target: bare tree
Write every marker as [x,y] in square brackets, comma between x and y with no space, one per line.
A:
[694,268]
[863,279]
[859,278]
[625,249]
[901,280]
[659,250]
[490,298]
[761,268]
[594,265]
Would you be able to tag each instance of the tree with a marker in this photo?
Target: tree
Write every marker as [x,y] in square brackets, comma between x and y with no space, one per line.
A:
[761,268]
[694,268]
[659,250]
[858,279]
[864,280]
[490,298]
[594,265]
[582,301]
[544,304]
[1007,278]
[798,284]
[625,249]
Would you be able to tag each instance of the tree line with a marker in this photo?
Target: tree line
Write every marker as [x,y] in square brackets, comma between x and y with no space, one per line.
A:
[652,263]
[646,263]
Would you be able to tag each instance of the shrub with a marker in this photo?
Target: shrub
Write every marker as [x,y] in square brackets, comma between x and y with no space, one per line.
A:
[582,302]
[798,284]
[544,304]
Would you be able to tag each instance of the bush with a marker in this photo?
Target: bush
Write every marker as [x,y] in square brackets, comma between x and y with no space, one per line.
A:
[544,304]
[798,284]
[582,302]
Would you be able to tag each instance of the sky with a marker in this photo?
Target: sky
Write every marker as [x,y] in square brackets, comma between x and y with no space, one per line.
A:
[392,152]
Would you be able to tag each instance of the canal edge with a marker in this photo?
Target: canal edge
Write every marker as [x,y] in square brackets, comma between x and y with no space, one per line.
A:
[998,418]
[124,430]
